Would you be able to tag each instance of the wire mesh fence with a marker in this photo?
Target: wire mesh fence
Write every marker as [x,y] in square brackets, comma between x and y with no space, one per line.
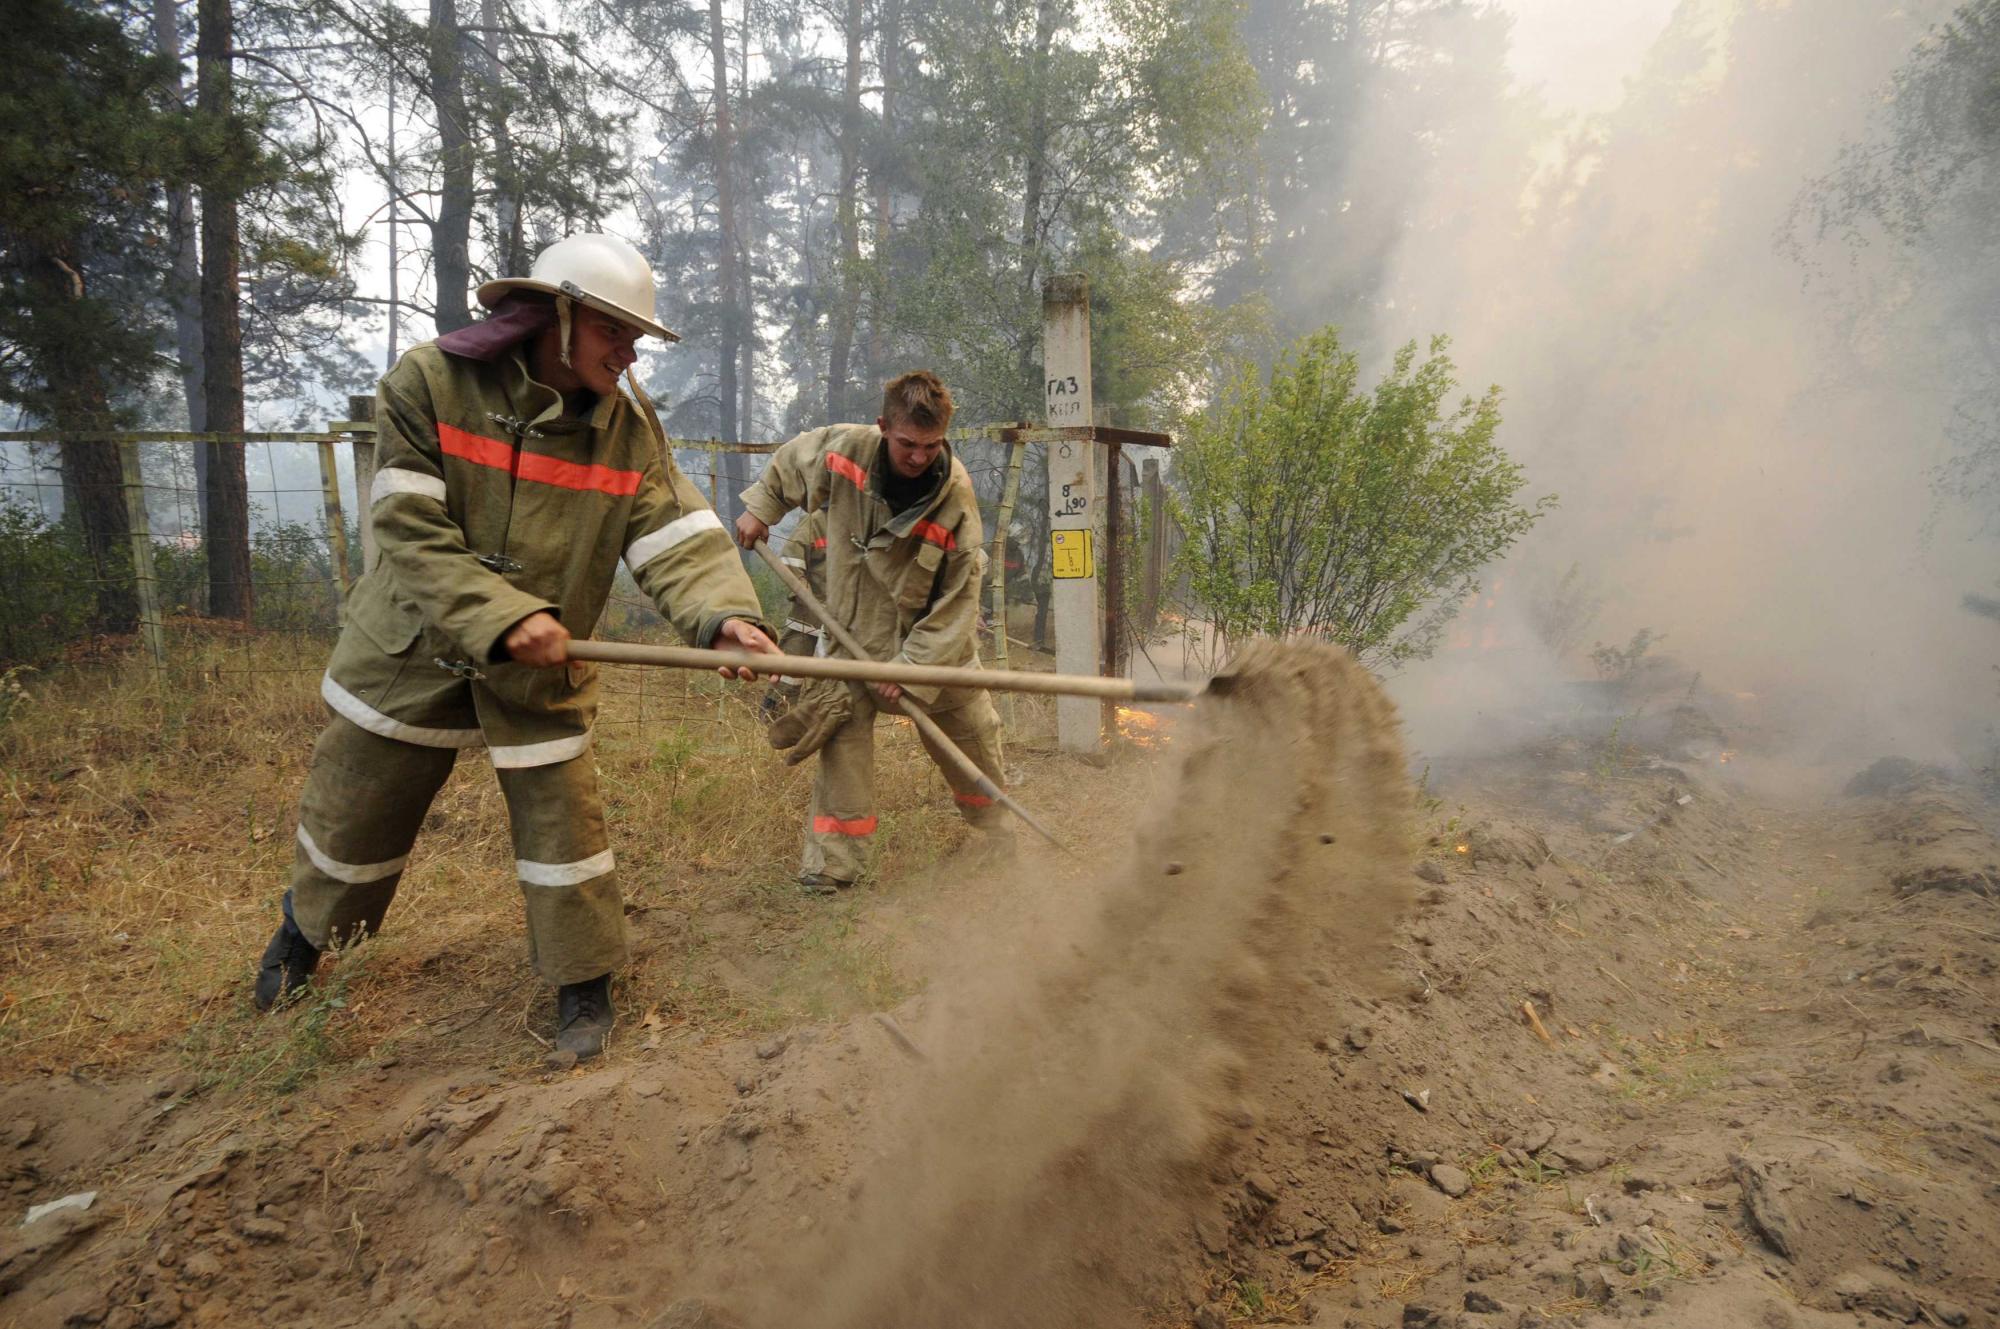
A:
[104,549]
[102,536]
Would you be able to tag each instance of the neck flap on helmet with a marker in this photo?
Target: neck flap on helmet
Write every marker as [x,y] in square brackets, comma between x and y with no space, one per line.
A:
[516,319]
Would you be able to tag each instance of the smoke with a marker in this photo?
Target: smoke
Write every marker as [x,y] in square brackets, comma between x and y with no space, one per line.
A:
[1744,424]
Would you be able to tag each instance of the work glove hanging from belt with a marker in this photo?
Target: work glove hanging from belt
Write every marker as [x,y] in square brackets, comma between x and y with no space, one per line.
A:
[822,707]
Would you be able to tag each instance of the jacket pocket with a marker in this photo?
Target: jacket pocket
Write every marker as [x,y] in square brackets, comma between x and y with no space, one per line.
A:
[389,622]
[918,579]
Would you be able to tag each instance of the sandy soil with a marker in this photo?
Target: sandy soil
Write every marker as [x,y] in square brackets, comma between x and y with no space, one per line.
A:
[1584,1041]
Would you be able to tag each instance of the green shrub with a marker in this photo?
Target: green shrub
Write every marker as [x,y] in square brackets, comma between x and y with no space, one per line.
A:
[1313,506]
[50,597]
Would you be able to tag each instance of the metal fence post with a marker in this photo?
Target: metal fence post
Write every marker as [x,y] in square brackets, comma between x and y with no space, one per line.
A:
[144,580]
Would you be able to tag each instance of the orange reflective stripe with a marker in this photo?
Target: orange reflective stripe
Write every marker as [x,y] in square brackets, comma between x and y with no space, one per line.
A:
[972,800]
[848,467]
[576,475]
[475,448]
[825,825]
[491,452]
[935,534]
[820,543]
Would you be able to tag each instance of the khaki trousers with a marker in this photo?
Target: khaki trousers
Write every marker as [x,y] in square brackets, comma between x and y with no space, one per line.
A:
[365,799]
[840,824]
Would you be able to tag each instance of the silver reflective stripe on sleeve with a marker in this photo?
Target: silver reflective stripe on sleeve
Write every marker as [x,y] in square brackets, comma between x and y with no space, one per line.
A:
[790,562]
[354,874]
[514,757]
[361,713]
[564,874]
[793,625]
[401,480]
[649,547]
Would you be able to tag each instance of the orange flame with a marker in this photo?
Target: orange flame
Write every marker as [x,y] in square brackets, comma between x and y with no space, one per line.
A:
[1140,728]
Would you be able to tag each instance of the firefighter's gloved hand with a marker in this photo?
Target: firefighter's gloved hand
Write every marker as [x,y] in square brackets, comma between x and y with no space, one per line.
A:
[821,708]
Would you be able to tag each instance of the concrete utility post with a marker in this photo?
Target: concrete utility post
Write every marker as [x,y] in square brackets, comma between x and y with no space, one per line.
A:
[1074,516]
[361,425]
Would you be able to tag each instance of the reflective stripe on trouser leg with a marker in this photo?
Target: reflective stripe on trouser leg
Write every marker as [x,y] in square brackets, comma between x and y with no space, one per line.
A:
[365,798]
[975,728]
[840,824]
[576,919]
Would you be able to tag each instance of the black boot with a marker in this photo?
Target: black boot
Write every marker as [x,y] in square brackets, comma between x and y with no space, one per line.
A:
[288,963]
[583,1016]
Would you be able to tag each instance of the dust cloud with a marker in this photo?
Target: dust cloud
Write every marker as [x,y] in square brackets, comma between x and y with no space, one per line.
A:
[1053,1151]
[1744,422]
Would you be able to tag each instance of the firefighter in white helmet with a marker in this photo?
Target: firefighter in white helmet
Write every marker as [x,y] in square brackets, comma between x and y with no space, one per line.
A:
[511,477]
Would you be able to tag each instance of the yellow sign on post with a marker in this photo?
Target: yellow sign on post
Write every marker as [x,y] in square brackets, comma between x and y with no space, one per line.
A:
[1072,556]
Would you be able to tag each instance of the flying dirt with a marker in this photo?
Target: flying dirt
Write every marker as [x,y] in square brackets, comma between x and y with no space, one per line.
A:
[1061,1141]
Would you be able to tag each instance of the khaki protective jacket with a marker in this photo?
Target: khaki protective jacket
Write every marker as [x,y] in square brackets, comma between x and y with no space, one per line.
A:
[805,554]
[907,586]
[489,504]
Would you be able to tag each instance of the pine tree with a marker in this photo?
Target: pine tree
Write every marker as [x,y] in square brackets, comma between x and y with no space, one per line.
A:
[92,133]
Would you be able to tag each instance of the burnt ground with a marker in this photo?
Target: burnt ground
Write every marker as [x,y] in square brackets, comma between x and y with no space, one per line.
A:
[1599,1036]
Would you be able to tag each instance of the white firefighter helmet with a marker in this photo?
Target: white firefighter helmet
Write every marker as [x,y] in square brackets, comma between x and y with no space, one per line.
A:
[601,271]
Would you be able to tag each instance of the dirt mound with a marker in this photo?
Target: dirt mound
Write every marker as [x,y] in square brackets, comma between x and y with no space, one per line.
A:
[1063,1140]
[1933,827]
[1890,776]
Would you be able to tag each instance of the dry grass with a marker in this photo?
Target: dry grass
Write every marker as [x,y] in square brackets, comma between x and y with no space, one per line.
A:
[146,831]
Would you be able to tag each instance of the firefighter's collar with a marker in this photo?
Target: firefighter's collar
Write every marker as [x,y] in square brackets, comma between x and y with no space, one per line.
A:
[550,414]
[901,524]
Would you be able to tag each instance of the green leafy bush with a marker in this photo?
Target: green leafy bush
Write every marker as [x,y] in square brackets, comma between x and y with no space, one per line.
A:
[50,598]
[49,583]
[1313,506]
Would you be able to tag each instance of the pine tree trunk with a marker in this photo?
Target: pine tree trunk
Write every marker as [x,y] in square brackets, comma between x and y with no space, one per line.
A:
[847,214]
[735,466]
[512,261]
[92,483]
[227,535]
[185,294]
[1031,194]
[90,471]
[451,241]
[889,59]
[395,183]
[727,241]
[746,369]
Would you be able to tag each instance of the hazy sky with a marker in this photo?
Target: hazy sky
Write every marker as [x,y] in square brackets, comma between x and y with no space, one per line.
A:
[1579,52]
